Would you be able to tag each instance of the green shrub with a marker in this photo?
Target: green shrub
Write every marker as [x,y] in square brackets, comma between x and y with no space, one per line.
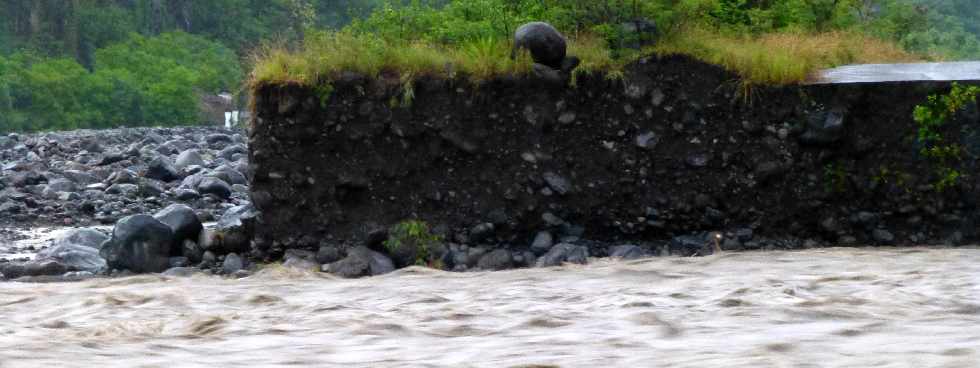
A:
[929,118]
[412,236]
[938,109]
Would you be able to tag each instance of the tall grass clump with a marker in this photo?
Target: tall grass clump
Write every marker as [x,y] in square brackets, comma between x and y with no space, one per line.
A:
[783,57]
[778,43]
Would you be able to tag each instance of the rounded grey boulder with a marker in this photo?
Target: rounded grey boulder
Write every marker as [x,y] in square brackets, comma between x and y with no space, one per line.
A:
[184,223]
[189,158]
[564,253]
[360,262]
[161,169]
[214,186]
[546,45]
[78,250]
[139,243]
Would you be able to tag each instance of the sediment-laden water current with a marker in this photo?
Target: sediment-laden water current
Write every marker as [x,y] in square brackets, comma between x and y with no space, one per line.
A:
[819,308]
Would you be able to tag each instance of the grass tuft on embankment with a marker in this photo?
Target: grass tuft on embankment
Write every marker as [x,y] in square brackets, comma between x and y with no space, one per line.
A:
[472,39]
[771,59]
[785,57]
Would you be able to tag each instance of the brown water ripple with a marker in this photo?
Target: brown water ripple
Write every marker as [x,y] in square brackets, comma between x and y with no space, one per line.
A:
[818,308]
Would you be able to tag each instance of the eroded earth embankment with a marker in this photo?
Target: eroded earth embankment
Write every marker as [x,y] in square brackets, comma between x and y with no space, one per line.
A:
[659,158]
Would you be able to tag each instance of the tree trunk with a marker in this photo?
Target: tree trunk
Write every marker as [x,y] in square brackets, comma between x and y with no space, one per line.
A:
[34,18]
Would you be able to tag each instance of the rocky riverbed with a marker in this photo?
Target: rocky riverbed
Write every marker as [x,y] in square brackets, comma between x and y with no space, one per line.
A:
[83,178]
[61,193]
[75,205]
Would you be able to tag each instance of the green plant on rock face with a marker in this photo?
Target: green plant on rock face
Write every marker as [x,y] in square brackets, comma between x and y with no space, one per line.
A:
[408,91]
[835,178]
[930,117]
[323,92]
[939,108]
[412,233]
[948,178]
[881,177]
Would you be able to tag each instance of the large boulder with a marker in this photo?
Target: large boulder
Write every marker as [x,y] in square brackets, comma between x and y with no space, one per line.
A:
[161,169]
[232,263]
[228,175]
[690,245]
[184,223]
[500,259]
[301,260]
[77,250]
[564,253]
[214,186]
[139,243]
[360,262]
[546,45]
[32,269]
[189,158]
[628,252]
[228,153]
[234,230]
[542,243]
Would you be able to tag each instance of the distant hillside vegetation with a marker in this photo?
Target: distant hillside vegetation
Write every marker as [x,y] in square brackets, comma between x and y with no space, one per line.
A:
[67,64]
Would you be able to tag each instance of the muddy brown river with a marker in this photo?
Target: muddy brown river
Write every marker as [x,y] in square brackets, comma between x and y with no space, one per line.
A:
[817,308]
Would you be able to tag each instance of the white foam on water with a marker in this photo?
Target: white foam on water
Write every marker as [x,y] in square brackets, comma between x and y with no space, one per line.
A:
[817,308]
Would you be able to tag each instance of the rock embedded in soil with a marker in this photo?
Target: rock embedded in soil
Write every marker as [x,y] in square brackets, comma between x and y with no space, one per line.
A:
[542,243]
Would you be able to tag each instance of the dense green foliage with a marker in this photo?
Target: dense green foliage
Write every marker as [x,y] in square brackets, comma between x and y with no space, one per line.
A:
[771,42]
[930,117]
[141,81]
[100,63]
[947,28]
[67,64]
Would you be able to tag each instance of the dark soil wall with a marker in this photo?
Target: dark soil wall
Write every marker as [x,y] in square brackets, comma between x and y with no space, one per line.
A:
[677,148]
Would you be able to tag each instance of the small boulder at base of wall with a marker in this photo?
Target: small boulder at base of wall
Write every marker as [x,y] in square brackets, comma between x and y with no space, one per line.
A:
[564,253]
[139,243]
[361,261]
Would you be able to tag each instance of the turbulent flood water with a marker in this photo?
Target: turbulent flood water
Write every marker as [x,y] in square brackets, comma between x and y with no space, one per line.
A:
[818,308]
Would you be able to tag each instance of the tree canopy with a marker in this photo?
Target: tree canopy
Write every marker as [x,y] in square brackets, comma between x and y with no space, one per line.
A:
[67,64]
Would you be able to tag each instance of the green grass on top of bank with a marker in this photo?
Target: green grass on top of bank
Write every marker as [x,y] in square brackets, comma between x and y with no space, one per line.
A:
[772,59]
[472,39]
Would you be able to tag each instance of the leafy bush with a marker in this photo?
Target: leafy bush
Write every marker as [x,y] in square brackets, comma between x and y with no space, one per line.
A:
[412,236]
[930,117]
[143,81]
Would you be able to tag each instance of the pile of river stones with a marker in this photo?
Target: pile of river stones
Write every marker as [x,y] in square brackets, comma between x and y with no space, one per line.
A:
[174,242]
[84,178]
[159,187]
